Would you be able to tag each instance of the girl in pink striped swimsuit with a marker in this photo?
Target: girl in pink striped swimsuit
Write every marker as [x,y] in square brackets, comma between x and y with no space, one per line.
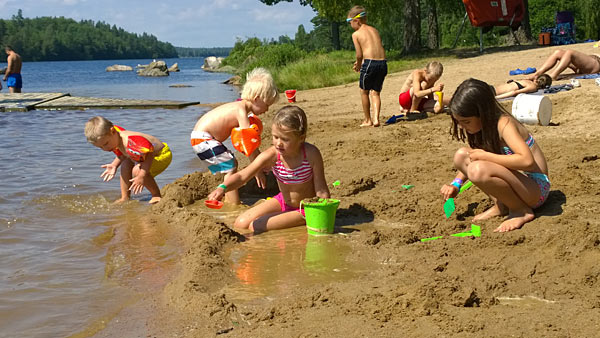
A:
[298,167]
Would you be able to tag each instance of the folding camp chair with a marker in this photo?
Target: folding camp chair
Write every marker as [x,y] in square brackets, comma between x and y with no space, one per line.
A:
[486,14]
[564,32]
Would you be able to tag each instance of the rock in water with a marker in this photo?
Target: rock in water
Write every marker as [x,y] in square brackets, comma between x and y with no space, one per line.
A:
[174,68]
[155,68]
[119,68]
[212,63]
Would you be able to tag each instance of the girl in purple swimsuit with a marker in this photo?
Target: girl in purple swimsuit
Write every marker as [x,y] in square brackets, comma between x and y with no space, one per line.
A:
[298,167]
[502,159]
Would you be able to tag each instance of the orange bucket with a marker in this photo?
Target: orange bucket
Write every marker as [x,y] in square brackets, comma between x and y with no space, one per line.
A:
[291,95]
[544,39]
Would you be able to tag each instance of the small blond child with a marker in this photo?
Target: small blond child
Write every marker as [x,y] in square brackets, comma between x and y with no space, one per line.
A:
[419,92]
[370,62]
[213,128]
[141,156]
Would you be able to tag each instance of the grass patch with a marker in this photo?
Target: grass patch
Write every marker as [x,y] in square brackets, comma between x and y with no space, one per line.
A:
[293,68]
[333,69]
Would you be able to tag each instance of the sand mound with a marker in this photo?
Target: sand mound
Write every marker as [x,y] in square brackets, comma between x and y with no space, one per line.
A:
[541,280]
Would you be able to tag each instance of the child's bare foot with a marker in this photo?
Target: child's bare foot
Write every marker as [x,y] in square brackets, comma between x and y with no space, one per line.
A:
[491,212]
[366,124]
[154,200]
[121,200]
[516,220]
[376,123]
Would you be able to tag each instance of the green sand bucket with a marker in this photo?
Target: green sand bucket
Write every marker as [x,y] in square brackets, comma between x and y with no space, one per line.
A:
[320,216]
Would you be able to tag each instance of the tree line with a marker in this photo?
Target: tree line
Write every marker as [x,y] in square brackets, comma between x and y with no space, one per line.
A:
[409,26]
[63,39]
[191,52]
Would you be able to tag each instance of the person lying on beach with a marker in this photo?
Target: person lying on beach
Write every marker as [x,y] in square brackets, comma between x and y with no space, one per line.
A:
[370,62]
[298,167]
[579,62]
[516,87]
[502,158]
[419,93]
[213,128]
[141,157]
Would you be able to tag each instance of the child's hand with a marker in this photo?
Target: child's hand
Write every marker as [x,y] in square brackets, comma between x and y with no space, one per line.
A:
[448,191]
[261,179]
[216,195]
[477,154]
[137,184]
[439,87]
[109,173]
[355,67]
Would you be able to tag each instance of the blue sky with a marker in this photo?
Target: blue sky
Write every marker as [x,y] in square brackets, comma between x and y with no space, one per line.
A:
[185,23]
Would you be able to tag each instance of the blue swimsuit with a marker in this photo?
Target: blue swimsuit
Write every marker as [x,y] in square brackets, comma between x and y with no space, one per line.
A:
[542,180]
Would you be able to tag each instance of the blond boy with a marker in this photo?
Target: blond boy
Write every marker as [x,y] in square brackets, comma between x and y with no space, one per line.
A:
[419,92]
[141,156]
[213,128]
[370,62]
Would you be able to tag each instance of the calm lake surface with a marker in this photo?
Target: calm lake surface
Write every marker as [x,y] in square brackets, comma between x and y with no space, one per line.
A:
[70,259]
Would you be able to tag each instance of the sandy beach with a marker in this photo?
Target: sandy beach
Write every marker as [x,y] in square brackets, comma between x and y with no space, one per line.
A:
[541,280]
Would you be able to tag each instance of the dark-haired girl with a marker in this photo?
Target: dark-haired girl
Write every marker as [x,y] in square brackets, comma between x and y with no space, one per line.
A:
[502,159]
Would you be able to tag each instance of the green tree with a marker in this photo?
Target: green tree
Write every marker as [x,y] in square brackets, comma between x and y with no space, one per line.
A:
[412,26]
[591,18]
[60,38]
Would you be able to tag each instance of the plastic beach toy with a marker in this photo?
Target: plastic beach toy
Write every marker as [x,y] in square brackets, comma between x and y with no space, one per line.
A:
[247,140]
[320,216]
[213,204]
[291,95]
[449,205]
[474,232]
[393,119]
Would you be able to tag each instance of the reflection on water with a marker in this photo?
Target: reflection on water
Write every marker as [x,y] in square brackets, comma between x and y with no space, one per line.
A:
[69,257]
[274,263]
[525,301]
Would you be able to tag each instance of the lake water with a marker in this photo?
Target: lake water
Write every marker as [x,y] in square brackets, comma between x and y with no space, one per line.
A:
[70,259]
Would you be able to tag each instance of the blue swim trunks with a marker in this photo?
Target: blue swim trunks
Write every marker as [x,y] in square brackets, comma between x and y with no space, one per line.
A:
[14,80]
[372,74]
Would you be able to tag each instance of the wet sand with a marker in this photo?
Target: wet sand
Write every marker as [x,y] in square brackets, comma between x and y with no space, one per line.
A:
[541,280]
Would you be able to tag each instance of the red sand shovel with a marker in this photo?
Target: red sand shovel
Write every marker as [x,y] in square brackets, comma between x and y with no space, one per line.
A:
[213,204]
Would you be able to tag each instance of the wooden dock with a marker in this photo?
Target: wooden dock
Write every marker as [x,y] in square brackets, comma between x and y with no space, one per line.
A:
[64,101]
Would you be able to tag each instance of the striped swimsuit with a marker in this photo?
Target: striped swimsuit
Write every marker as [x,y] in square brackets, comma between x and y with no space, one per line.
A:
[301,174]
[541,179]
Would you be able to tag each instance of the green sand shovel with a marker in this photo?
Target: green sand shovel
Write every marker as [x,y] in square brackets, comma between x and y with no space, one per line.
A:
[449,205]
[474,232]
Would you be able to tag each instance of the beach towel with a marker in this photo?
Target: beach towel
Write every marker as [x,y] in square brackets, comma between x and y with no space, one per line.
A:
[549,90]
[558,88]
[589,76]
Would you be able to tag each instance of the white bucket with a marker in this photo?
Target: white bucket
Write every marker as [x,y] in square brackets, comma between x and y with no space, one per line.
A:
[532,109]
